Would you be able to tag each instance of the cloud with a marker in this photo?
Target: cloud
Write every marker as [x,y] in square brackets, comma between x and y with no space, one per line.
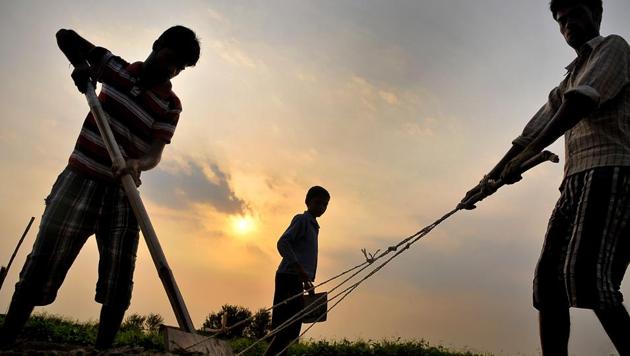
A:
[423,127]
[230,51]
[306,77]
[8,136]
[259,253]
[389,97]
[216,15]
[194,183]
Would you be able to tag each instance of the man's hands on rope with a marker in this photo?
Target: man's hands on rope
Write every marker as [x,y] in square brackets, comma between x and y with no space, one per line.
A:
[485,187]
[508,173]
[512,171]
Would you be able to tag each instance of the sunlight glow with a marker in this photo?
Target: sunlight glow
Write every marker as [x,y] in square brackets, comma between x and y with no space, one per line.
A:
[243,224]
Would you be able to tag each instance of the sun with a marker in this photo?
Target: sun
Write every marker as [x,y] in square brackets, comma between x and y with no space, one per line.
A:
[243,224]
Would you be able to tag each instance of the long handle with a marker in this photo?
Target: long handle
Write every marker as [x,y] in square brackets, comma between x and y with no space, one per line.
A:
[5,270]
[28,227]
[165,273]
[492,186]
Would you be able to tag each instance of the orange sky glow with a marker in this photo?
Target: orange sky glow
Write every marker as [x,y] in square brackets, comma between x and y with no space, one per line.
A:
[397,108]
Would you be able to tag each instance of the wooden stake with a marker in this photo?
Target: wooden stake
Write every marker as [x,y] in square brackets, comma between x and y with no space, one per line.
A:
[5,270]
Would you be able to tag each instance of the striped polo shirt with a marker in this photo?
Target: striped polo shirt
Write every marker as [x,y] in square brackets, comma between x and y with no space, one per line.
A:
[137,116]
[600,73]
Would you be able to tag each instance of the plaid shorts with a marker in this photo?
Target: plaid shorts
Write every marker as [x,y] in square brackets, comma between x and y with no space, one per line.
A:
[76,208]
[587,246]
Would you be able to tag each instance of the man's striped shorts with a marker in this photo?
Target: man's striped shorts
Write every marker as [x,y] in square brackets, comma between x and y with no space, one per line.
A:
[587,245]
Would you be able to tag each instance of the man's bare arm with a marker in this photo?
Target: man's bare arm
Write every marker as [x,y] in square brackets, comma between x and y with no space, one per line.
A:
[494,174]
[574,108]
[144,163]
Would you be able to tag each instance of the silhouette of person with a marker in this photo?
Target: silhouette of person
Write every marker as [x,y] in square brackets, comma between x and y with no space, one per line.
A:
[587,244]
[296,272]
[86,198]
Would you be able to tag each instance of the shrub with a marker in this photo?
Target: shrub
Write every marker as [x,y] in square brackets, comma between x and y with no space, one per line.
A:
[133,322]
[152,322]
[241,343]
[234,314]
[260,324]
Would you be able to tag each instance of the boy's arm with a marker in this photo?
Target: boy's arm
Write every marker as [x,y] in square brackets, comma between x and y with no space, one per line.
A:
[303,275]
[286,250]
[284,242]
[148,161]
[82,54]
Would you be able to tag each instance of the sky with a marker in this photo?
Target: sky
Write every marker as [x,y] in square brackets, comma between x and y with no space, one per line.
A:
[396,107]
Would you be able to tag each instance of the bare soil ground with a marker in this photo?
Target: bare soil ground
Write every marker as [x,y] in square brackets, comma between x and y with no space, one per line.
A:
[36,348]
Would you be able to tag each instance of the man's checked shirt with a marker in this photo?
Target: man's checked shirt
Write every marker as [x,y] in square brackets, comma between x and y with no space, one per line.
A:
[601,72]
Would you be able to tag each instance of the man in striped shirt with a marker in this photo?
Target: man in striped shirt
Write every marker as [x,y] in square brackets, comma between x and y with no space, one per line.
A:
[86,199]
[587,245]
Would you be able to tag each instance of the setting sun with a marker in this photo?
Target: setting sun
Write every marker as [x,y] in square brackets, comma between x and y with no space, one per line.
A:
[243,224]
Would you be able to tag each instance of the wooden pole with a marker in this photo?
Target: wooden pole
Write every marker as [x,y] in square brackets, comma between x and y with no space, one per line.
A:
[164,271]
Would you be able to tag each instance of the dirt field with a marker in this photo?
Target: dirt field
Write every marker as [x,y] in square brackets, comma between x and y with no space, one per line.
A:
[52,349]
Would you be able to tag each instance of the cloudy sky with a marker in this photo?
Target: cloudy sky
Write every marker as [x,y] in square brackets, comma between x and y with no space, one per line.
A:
[397,107]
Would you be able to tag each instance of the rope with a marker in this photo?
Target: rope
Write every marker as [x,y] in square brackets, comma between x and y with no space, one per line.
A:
[224,329]
[350,289]
[303,311]
[408,242]
[370,258]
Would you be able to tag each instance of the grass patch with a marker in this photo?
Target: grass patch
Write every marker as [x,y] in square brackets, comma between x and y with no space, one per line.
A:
[46,328]
[354,348]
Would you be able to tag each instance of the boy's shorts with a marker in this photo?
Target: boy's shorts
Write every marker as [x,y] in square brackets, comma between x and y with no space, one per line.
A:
[587,246]
[76,208]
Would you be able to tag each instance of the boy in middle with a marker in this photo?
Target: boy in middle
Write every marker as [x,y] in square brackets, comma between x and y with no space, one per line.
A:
[296,273]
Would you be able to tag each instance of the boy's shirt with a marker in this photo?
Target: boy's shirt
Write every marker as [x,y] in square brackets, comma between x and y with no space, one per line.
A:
[601,72]
[299,244]
[137,116]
